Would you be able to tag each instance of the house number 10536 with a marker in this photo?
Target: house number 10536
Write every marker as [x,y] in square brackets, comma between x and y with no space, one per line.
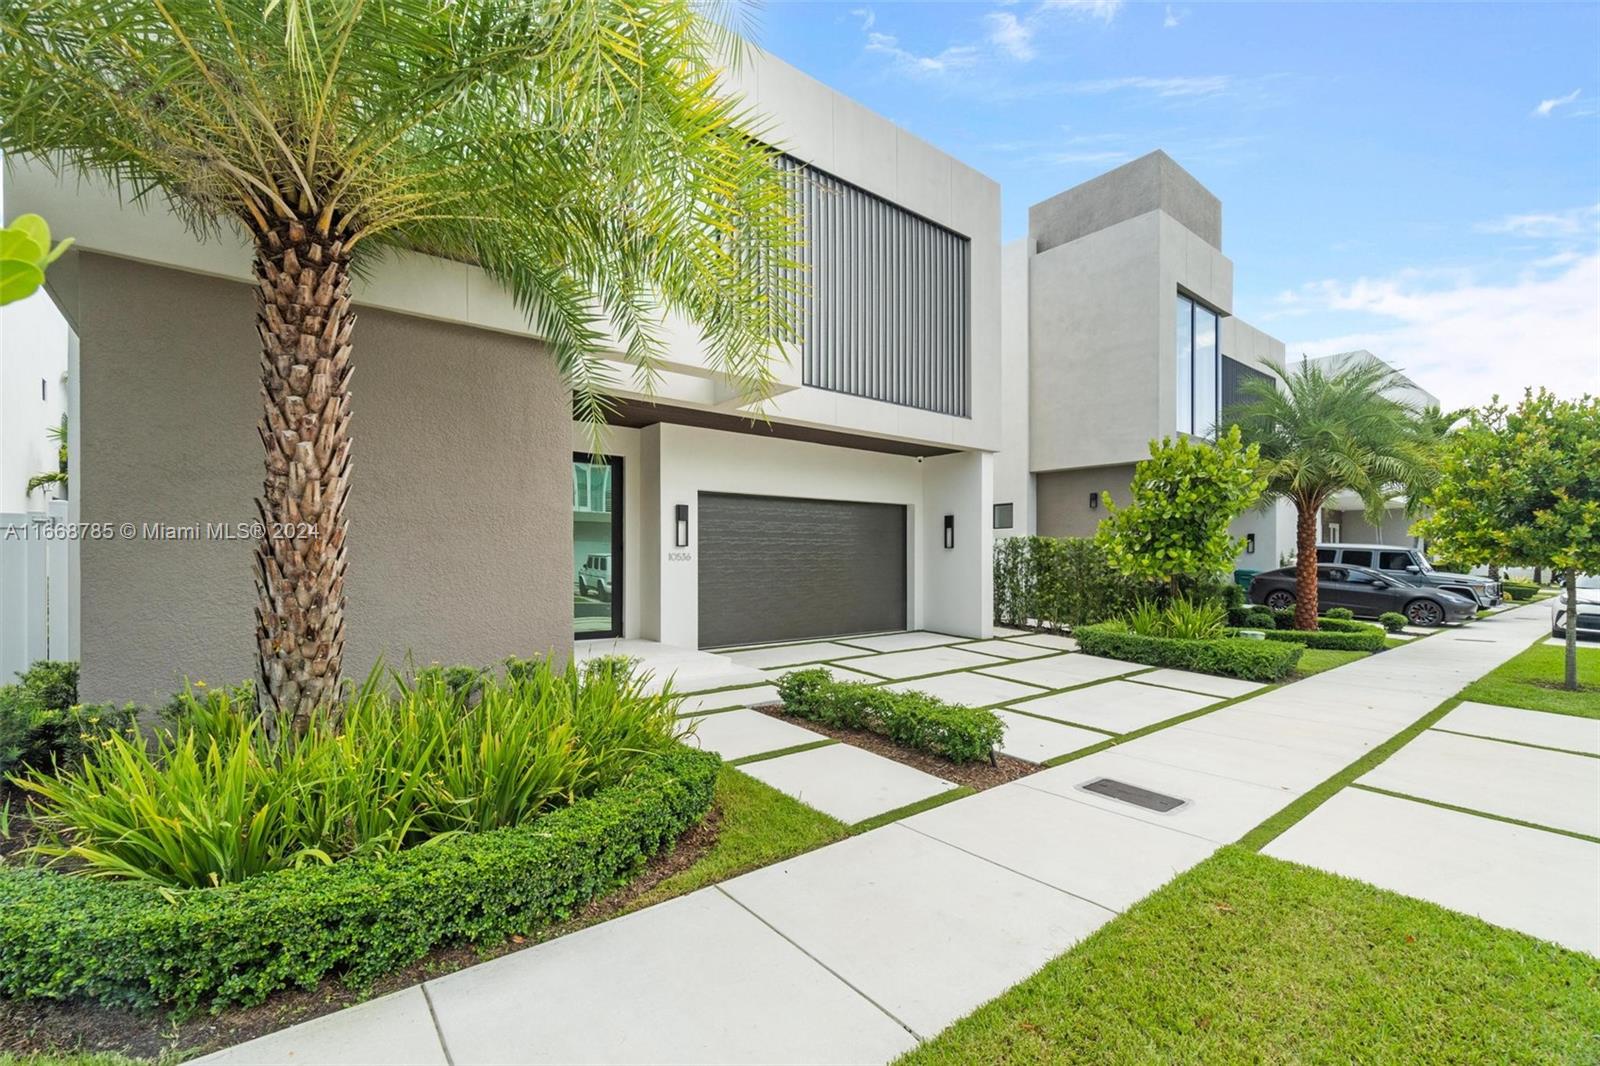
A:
[679,557]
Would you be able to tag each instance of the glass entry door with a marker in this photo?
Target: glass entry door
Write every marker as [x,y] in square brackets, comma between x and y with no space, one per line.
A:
[596,546]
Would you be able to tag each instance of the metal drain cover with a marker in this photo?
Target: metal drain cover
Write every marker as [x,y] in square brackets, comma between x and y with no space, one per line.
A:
[1139,797]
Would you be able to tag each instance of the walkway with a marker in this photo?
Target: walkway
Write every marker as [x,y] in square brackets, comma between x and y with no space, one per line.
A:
[853,952]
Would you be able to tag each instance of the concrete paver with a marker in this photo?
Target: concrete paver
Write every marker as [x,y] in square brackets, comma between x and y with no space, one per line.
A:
[885,642]
[754,696]
[1542,883]
[1037,740]
[847,782]
[1062,671]
[741,733]
[919,661]
[1224,688]
[972,689]
[1116,706]
[1564,731]
[792,654]
[1007,649]
[394,1029]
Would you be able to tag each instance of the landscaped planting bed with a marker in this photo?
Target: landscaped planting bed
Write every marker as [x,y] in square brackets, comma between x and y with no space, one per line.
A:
[1249,660]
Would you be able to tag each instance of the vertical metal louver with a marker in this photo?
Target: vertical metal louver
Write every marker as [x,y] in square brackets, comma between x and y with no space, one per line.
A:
[885,316]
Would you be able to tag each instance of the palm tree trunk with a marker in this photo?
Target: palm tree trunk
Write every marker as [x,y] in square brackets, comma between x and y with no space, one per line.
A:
[1305,566]
[1571,681]
[303,317]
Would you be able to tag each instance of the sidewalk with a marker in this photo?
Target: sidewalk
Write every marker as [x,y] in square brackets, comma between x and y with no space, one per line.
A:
[854,952]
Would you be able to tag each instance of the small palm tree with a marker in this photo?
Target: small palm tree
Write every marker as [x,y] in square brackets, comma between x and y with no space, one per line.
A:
[580,151]
[1327,431]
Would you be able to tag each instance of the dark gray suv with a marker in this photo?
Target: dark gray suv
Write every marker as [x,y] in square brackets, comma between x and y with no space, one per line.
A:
[1366,593]
[1409,564]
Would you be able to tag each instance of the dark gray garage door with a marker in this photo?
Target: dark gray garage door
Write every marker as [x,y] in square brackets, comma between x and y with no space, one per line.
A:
[773,568]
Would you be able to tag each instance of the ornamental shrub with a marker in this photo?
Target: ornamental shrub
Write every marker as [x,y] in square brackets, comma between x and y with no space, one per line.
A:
[1393,621]
[1342,613]
[1251,660]
[1058,583]
[914,719]
[135,943]
[1362,638]
[1519,590]
[42,725]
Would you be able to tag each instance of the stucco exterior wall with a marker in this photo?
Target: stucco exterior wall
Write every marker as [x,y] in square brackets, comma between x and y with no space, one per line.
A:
[1013,480]
[1063,498]
[460,510]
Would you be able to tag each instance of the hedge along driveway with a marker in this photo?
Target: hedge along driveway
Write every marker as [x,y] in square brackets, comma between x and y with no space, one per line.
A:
[122,942]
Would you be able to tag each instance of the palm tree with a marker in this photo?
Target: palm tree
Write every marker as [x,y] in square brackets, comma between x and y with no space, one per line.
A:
[1327,431]
[579,151]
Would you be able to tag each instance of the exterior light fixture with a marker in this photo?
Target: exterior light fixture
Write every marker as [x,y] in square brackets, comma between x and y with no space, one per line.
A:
[680,535]
[949,531]
[1249,543]
[1094,501]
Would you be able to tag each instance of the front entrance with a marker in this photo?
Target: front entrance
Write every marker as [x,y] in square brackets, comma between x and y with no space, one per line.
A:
[596,546]
[774,568]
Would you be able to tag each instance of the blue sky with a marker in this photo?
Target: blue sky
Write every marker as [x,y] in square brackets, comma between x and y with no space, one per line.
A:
[1420,179]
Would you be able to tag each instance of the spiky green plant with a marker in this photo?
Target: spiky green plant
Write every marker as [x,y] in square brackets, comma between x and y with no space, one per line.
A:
[582,152]
[1321,431]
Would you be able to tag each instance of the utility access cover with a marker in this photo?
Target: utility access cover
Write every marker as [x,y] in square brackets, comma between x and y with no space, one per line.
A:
[1139,797]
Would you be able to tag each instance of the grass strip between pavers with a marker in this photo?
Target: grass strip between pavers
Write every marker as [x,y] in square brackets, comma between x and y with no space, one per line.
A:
[928,804]
[1476,813]
[1517,743]
[810,745]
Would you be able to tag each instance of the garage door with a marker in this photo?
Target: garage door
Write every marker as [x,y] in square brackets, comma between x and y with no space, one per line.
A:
[773,568]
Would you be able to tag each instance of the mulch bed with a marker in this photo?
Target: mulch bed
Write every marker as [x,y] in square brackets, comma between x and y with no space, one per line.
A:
[975,775]
[74,1026]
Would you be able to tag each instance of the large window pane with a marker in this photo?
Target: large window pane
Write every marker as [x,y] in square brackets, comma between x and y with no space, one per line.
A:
[1205,372]
[594,554]
[1185,366]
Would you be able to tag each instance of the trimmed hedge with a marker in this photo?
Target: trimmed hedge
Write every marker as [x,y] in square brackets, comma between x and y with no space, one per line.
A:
[129,943]
[915,719]
[1519,590]
[1334,634]
[1058,582]
[1393,621]
[1251,660]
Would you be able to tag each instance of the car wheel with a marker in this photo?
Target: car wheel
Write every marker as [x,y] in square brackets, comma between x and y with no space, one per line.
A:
[1424,613]
[583,587]
[1280,600]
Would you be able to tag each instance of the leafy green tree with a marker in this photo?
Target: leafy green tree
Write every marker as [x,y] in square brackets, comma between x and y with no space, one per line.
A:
[1324,431]
[1522,485]
[25,252]
[1184,498]
[580,151]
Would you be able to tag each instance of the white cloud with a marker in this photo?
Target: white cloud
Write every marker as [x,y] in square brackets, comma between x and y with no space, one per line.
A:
[1173,18]
[953,58]
[1204,85]
[1576,222]
[1104,10]
[868,17]
[1010,34]
[1546,107]
[1469,340]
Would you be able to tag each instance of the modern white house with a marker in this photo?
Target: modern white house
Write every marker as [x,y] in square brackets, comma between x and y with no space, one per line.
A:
[946,392]
[857,499]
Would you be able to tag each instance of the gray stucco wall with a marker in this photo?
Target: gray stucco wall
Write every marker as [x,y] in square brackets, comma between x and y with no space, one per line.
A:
[1063,498]
[1150,183]
[460,542]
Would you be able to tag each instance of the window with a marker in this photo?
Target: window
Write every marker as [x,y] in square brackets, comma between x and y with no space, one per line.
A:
[1331,573]
[1325,555]
[1198,373]
[1002,516]
[1394,560]
[1359,577]
[1352,557]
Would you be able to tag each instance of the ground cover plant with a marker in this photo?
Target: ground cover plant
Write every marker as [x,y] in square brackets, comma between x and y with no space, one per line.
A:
[914,719]
[43,725]
[1246,959]
[1528,681]
[1316,660]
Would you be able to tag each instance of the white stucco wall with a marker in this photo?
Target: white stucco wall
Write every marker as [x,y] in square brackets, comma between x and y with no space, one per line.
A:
[33,397]
[1013,478]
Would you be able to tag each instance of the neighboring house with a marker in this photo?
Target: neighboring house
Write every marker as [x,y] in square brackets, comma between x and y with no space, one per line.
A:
[1118,323]
[479,526]
[1117,328]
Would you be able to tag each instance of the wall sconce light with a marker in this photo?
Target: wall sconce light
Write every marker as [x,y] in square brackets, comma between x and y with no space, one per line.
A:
[949,531]
[1094,501]
[1249,543]
[680,534]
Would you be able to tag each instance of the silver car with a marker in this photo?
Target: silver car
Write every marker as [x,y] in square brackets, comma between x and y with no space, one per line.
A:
[1588,609]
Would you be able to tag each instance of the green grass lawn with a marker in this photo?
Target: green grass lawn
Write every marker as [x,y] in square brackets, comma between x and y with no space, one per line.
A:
[1246,959]
[1531,680]
[760,825]
[1316,660]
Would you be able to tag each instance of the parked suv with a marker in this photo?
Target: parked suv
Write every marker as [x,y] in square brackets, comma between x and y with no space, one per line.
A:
[1366,593]
[594,576]
[1409,564]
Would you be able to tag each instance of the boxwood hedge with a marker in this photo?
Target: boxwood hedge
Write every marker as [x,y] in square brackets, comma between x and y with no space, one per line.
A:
[1331,634]
[129,943]
[915,719]
[1251,660]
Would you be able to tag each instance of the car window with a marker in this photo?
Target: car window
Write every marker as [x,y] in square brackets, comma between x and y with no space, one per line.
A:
[1394,560]
[1359,577]
[1325,555]
[1357,558]
[1589,581]
[1331,573]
